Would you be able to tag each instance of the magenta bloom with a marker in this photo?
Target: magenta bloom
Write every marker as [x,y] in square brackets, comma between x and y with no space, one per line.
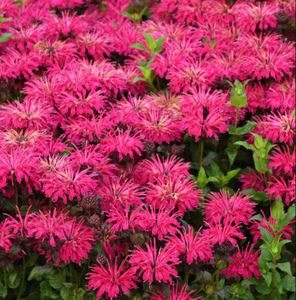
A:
[160,222]
[6,235]
[156,167]
[78,241]
[67,184]
[282,160]
[244,263]
[155,264]
[194,246]
[19,165]
[221,233]
[47,226]
[112,279]
[176,293]
[277,127]
[204,113]
[221,206]
[123,143]
[174,192]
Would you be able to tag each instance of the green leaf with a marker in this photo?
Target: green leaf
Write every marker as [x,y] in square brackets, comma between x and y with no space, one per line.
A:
[277,210]
[245,145]
[56,280]
[289,283]
[238,97]
[231,153]
[47,292]
[65,293]
[288,217]
[138,46]
[266,235]
[39,271]
[5,37]
[202,178]
[150,41]
[214,170]
[3,290]
[260,163]
[159,43]
[263,288]
[256,195]
[268,278]
[284,267]
[14,280]
[242,130]
[231,174]
[138,78]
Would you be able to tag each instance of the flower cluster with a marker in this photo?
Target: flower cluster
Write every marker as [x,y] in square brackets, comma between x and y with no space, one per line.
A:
[102,126]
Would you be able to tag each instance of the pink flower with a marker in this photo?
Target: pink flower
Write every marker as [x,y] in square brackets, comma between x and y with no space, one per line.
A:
[223,207]
[124,143]
[280,187]
[280,96]
[176,293]
[156,167]
[47,226]
[249,16]
[204,113]
[19,165]
[67,184]
[277,127]
[283,160]
[221,233]
[252,180]
[30,114]
[160,222]
[119,191]
[174,192]
[155,264]
[194,246]
[244,263]
[158,126]
[112,279]
[6,235]
[78,241]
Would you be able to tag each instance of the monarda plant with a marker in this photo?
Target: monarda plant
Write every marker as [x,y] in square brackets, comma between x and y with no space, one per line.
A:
[147,149]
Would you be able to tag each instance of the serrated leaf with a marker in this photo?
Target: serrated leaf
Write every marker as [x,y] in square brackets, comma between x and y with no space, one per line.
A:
[289,283]
[288,217]
[284,267]
[266,235]
[39,271]
[159,43]
[256,195]
[65,293]
[268,278]
[231,174]
[277,210]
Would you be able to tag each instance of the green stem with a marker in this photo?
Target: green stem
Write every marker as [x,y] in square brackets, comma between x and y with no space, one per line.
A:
[200,151]
[15,190]
[236,118]
[20,291]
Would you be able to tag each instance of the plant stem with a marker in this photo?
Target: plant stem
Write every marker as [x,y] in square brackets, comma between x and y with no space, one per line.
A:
[20,292]
[15,190]
[236,118]
[200,151]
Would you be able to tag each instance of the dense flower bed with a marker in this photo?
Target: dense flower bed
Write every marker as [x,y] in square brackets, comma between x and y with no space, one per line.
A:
[146,149]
